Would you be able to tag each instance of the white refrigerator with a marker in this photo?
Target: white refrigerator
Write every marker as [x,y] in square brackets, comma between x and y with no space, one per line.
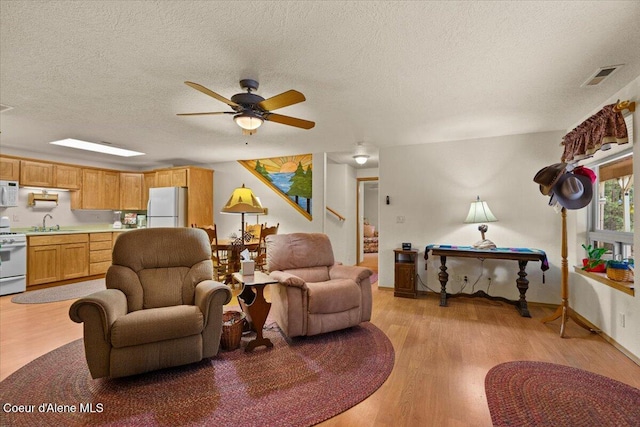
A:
[167,207]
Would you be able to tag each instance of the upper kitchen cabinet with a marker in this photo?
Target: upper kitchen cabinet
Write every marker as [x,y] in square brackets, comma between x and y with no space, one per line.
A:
[68,177]
[178,177]
[100,190]
[131,187]
[9,169]
[36,174]
[49,175]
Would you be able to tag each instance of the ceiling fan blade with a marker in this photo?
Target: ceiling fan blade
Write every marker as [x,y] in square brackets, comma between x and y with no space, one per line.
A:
[291,121]
[211,93]
[285,99]
[206,114]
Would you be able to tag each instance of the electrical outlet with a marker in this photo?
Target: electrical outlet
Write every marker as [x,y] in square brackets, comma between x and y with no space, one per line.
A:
[16,218]
[621,319]
[400,219]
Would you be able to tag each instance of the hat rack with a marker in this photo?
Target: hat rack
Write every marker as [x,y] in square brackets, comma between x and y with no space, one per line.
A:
[43,196]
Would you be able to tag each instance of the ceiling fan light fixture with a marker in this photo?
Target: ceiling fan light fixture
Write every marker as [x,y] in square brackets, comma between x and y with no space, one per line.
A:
[248,120]
[361,159]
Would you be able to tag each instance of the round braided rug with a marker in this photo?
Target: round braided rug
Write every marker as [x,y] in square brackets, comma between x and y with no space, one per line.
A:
[527,393]
[298,382]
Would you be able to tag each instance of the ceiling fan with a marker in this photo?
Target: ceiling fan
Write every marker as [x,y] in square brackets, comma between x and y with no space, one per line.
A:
[251,110]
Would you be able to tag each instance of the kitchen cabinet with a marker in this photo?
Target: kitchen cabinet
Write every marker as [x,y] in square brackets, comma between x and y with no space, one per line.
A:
[131,191]
[199,196]
[172,177]
[36,174]
[100,247]
[149,181]
[100,190]
[52,258]
[199,183]
[9,169]
[67,177]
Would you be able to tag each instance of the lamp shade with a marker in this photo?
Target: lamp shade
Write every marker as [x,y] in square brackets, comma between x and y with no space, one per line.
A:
[247,120]
[243,200]
[479,212]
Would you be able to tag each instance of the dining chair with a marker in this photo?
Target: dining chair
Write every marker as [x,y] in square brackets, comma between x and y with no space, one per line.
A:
[261,254]
[219,256]
[255,230]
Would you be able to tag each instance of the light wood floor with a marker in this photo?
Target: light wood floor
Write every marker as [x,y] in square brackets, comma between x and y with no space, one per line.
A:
[442,354]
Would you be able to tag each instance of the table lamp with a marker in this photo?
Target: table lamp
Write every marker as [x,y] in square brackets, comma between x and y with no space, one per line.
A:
[243,201]
[479,212]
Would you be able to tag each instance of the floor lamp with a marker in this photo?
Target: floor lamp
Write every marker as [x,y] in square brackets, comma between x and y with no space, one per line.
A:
[564,310]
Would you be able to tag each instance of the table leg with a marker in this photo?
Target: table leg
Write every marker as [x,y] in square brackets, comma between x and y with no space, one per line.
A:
[523,285]
[443,276]
[257,309]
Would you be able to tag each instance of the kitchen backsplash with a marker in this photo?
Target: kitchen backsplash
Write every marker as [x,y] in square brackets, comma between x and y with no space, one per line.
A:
[23,216]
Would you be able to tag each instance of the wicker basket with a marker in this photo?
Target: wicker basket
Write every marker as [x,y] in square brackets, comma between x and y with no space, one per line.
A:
[232,323]
[620,274]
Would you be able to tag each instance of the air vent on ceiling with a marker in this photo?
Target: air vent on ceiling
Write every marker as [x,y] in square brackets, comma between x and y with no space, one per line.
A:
[600,75]
[4,108]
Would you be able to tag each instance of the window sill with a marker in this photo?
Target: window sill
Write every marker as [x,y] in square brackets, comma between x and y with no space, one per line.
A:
[626,287]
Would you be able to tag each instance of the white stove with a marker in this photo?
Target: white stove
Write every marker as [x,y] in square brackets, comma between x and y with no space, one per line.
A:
[13,260]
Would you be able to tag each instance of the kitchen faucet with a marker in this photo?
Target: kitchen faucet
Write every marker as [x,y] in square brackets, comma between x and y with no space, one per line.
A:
[44,221]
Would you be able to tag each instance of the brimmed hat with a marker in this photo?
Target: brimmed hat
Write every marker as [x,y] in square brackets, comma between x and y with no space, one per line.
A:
[548,176]
[573,191]
[581,170]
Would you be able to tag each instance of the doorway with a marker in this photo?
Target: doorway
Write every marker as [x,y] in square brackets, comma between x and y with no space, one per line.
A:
[367,207]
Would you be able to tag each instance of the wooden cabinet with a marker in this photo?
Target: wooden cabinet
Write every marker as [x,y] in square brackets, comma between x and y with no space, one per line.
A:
[406,269]
[68,177]
[199,183]
[36,174]
[9,169]
[131,191]
[53,258]
[44,174]
[149,181]
[178,177]
[100,190]
[100,247]
[200,196]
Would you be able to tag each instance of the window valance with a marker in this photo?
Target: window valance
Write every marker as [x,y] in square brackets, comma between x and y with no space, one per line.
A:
[607,126]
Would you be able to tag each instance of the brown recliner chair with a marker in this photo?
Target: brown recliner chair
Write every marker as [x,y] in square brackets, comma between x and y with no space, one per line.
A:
[314,294]
[160,308]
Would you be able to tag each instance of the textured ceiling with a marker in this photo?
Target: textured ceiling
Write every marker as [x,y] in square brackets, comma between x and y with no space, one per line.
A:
[385,73]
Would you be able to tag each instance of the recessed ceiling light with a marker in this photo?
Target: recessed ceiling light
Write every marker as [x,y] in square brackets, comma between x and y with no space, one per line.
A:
[99,148]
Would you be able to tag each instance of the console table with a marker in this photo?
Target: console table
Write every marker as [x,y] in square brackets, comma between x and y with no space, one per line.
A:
[522,255]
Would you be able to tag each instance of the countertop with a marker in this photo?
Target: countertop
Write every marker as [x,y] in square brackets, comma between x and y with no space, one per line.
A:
[70,230]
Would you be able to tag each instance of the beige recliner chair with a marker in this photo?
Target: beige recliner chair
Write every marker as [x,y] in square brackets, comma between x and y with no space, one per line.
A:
[314,294]
[160,308]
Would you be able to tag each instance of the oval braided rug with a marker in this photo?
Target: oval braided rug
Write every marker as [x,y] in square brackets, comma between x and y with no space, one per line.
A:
[545,394]
[298,382]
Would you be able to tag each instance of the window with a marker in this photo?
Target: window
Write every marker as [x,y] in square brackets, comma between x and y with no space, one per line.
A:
[611,212]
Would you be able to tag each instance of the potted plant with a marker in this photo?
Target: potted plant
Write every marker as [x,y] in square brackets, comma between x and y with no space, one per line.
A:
[594,261]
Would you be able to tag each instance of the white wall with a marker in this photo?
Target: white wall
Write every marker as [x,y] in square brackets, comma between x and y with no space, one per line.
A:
[432,185]
[598,303]
[341,197]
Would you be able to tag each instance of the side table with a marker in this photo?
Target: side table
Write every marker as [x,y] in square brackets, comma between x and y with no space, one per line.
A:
[254,305]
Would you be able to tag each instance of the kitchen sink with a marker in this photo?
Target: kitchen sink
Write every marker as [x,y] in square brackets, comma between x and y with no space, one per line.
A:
[52,230]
